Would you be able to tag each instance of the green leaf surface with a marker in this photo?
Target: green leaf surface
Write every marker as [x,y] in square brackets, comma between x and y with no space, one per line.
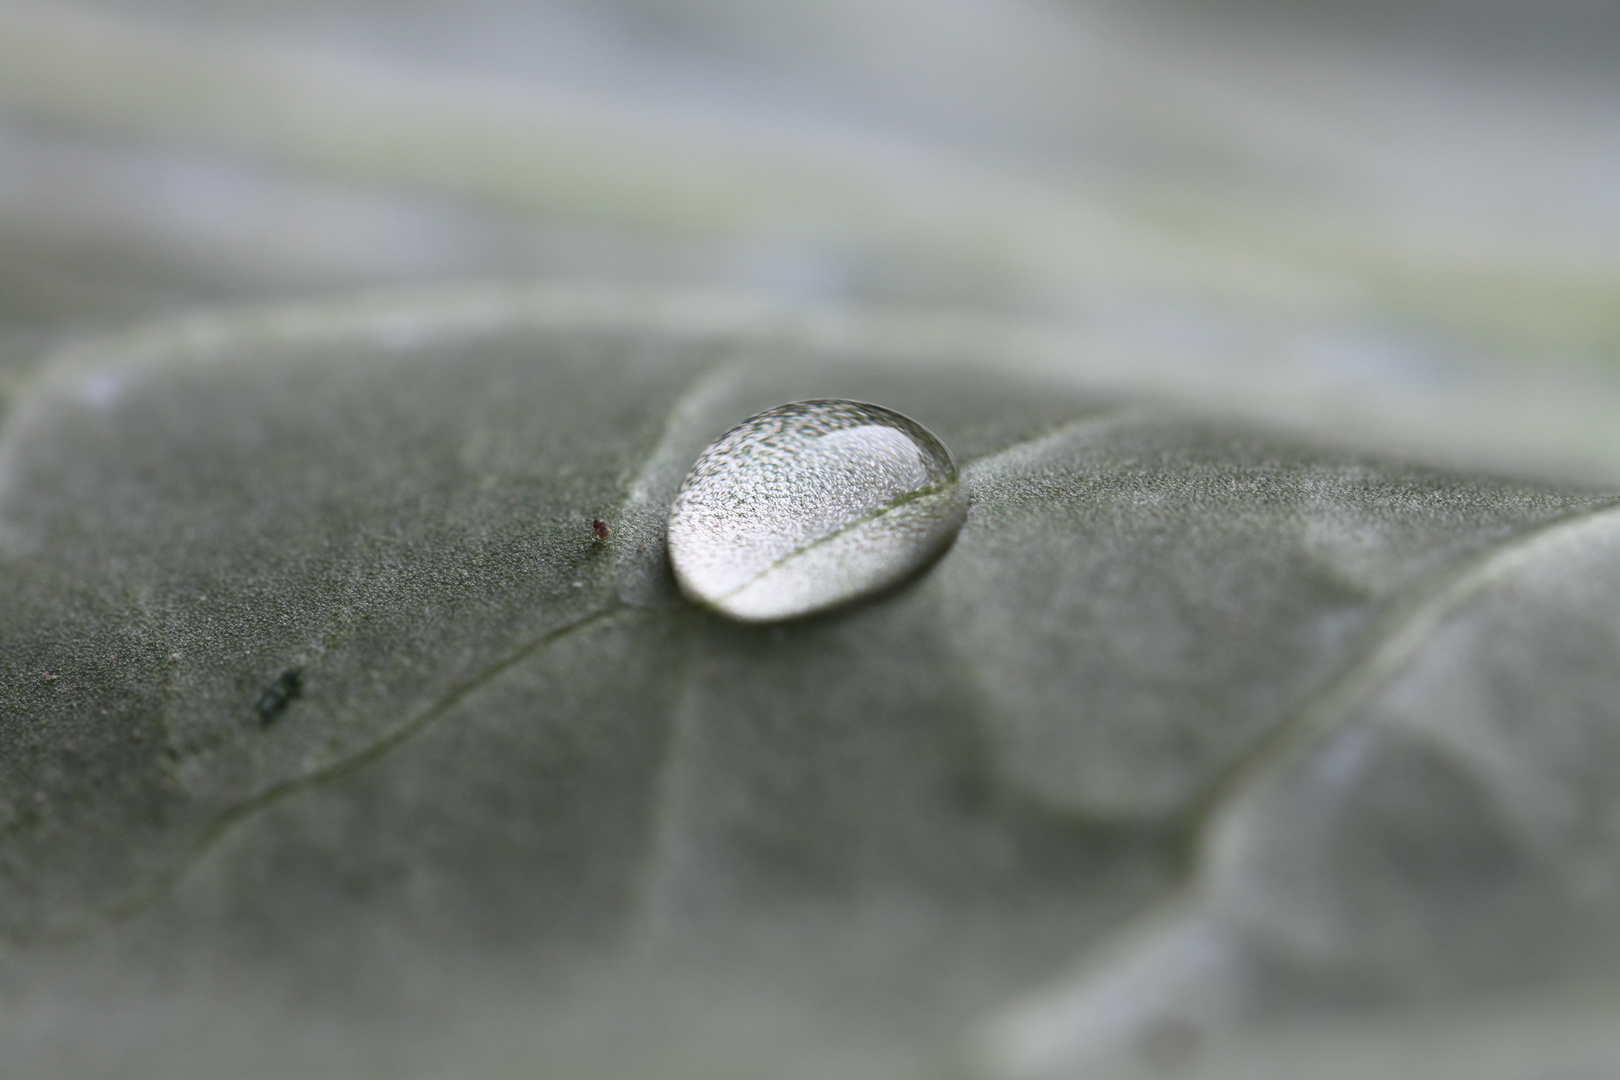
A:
[334,742]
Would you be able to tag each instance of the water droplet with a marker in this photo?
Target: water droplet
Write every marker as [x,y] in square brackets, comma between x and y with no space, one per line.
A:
[809,505]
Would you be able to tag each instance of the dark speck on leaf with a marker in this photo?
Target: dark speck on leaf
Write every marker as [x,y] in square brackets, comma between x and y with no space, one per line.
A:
[278,695]
[601,529]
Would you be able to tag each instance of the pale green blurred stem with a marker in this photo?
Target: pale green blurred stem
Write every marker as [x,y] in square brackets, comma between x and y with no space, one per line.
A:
[561,156]
[516,147]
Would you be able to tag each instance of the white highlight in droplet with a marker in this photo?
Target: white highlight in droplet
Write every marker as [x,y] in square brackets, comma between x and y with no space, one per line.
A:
[809,505]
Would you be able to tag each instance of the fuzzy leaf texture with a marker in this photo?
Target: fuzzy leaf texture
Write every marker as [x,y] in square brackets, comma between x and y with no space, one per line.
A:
[336,743]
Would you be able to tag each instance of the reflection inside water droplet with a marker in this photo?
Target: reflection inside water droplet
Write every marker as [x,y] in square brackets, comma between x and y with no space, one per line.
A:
[809,505]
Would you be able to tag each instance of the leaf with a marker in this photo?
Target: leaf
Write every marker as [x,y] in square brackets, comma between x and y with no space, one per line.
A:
[335,741]
[1438,831]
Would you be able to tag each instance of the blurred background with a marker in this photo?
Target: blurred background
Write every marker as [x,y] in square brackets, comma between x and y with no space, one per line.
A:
[1396,225]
